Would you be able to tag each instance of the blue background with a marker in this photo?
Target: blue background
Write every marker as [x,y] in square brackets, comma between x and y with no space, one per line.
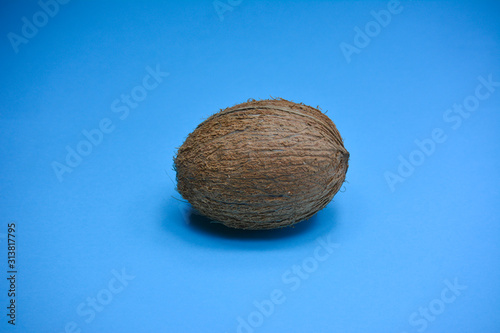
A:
[118,209]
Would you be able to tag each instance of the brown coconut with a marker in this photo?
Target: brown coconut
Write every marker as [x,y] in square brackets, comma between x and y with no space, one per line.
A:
[262,164]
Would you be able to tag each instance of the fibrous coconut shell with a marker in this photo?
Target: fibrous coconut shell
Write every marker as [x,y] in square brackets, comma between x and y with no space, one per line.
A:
[262,164]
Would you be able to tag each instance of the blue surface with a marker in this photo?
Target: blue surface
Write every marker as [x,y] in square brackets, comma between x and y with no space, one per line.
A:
[103,245]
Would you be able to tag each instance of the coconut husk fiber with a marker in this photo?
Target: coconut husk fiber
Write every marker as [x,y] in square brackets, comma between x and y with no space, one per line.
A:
[262,164]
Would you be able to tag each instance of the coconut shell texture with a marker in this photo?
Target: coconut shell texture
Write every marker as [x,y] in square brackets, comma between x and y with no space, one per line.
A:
[262,164]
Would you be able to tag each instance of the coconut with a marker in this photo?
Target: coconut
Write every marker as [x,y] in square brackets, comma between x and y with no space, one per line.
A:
[262,164]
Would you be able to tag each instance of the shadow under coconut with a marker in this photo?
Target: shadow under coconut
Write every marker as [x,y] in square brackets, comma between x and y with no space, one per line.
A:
[198,223]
